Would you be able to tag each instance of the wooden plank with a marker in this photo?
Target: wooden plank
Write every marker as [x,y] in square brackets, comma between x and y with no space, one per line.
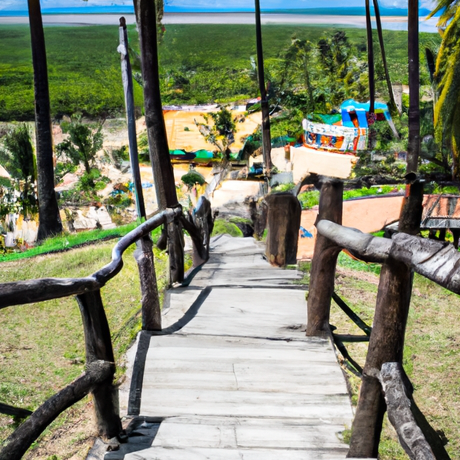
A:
[240,380]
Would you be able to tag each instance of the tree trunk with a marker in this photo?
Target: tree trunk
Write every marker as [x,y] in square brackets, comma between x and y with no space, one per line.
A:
[49,220]
[324,261]
[392,103]
[127,77]
[266,139]
[370,58]
[413,148]
[156,131]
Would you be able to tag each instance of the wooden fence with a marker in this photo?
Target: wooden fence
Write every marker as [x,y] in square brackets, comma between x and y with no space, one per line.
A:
[100,365]
[384,383]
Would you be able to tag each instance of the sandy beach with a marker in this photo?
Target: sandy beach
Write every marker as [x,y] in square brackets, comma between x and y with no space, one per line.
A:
[389,22]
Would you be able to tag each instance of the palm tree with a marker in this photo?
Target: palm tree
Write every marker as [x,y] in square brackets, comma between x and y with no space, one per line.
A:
[392,105]
[413,149]
[146,17]
[447,84]
[370,58]
[266,138]
[449,10]
[48,211]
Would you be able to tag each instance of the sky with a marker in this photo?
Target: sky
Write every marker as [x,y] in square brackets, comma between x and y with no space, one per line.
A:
[175,5]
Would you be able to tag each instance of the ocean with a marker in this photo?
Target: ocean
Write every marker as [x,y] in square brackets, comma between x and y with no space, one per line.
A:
[329,14]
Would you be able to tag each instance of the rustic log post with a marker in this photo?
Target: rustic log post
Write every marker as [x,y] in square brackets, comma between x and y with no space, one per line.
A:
[456,234]
[199,224]
[283,220]
[99,347]
[176,252]
[386,342]
[127,77]
[398,401]
[258,212]
[156,130]
[324,261]
[151,311]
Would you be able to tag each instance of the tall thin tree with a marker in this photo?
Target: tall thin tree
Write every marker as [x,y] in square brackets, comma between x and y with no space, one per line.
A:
[146,17]
[413,148]
[266,138]
[370,58]
[392,104]
[49,220]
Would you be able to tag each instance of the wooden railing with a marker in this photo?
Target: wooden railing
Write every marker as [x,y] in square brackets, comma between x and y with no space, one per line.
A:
[100,363]
[383,372]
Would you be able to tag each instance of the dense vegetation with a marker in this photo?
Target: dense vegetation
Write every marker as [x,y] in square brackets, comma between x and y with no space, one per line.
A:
[199,64]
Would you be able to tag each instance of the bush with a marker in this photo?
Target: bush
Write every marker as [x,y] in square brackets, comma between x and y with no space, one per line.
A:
[221,226]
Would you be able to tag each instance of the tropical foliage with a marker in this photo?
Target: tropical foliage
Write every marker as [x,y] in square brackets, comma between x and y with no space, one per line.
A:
[447,8]
[197,65]
[219,129]
[82,144]
[17,157]
[447,79]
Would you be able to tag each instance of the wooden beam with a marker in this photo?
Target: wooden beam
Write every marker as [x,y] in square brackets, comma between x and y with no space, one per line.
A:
[18,442]
[398,403]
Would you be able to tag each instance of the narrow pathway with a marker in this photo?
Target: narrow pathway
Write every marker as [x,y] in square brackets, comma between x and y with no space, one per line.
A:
[235,378]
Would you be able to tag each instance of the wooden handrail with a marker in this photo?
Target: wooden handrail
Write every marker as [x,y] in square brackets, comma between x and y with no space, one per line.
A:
[30,291]
[398,400]
[19,441]
[99,353]
[437,261]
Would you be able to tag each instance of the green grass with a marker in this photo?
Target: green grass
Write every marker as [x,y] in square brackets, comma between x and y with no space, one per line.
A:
[71,240]
[432,348]
[199,63]
[42,347]
[310,199]
[83,67]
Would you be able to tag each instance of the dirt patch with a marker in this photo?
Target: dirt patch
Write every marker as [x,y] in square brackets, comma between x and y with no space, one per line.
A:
[72,440]
[342,272]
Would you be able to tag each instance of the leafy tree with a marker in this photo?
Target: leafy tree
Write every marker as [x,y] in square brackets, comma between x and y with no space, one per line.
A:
[219,130]
[83,143]
[17,156]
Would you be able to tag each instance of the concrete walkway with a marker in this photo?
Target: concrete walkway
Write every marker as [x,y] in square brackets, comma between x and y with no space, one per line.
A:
[234,377]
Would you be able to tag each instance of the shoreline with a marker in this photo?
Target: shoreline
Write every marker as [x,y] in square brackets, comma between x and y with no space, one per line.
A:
[388,22]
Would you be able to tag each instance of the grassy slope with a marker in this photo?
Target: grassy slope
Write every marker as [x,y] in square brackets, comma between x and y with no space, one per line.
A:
[42,347]
[84,68]
[431,349]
